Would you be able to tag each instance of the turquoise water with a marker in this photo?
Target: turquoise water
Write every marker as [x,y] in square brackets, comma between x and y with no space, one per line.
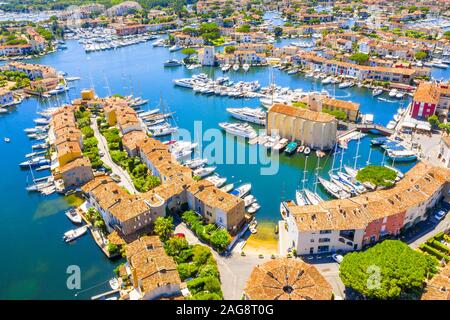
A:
[36,259]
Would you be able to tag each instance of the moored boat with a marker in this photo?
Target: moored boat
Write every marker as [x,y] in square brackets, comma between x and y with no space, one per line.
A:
[242,191]
[74,234]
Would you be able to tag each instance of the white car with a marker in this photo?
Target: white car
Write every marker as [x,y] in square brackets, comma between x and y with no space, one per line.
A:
[440,215]
[338,258]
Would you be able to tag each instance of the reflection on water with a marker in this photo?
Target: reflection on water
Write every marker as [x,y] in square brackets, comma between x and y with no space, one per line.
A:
[49,208]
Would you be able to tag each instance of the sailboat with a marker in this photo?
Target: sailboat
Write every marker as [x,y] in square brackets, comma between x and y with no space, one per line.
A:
[300,196]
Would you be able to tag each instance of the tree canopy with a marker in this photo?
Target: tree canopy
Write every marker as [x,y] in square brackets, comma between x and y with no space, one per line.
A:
[360,58]
[389,270]
[164,227]
[377,175]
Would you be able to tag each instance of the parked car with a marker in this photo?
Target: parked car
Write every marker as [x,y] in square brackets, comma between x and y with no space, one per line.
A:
[440,215]
[115,177]
[338,258]
[180,235]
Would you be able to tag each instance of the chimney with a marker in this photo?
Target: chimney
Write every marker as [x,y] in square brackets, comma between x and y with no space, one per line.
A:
[135,279]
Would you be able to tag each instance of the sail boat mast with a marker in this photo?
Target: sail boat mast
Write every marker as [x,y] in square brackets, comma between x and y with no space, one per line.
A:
[304,173]
[357,152]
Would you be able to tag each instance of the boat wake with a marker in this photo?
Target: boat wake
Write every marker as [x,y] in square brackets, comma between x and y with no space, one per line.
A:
[387,100]
[344,96]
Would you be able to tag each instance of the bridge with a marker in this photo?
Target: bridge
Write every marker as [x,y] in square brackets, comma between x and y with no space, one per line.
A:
[369,127]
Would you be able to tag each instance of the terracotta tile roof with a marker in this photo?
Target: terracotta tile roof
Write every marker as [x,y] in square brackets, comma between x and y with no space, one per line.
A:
[419,184]
[154,268]
[438,288]
[114,199]
[133,138]
[212,196]
[427,92]
[79,162]
[287,279]
[301,113]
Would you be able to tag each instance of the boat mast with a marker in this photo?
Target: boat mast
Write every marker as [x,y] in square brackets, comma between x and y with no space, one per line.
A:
[357,152]
[304,173]
[317,175]
[334,158]
[342,160]
[107,85]
[368,159]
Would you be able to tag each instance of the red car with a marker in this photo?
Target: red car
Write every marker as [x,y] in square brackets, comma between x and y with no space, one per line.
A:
[180,235]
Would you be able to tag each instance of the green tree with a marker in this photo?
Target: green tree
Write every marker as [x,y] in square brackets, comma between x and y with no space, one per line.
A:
[243,28]
[188,51]
[387,271]
[278,32]
[377,175]
[433,120]
[175,245]
[447,34]
[420,55]
[220,239]
[164,228]
[230,49]
[360,58]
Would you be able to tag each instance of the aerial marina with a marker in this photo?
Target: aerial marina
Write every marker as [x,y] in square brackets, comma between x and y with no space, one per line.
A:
[110,126]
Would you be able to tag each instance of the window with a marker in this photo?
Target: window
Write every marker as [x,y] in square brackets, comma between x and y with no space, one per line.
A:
[321,249]
[322,240]
[325,231]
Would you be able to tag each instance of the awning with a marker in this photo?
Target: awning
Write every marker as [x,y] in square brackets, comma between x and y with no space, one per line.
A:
[423,127]
[407,124]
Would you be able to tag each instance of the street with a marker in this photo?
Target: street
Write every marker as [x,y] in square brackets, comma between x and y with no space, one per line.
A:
[234,269]
[125,179]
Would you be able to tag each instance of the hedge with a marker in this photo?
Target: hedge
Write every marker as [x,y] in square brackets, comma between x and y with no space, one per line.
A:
[436,253]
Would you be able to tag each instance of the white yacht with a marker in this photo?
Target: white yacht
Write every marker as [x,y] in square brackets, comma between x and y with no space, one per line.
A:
[216,180]
[236,67]
[74,234]
[393,93]
[227,188]
[246,67]
[242,191]
[226,67]
[175,48]
[163,131]
[346,84]
[257,116]
[300,198]
[377,92]
[248,200]
[239,129]
[172,63]
[186,83]
[73,216]
[333,189]
[203,171]
[313,198]
[195,163]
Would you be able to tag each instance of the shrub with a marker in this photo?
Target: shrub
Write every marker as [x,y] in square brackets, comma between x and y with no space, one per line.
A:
[434,252]
[187,270]
[441,247]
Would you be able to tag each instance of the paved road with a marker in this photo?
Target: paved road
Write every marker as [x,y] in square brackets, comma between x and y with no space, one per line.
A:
[425,230]
[234,270]
[106,158]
